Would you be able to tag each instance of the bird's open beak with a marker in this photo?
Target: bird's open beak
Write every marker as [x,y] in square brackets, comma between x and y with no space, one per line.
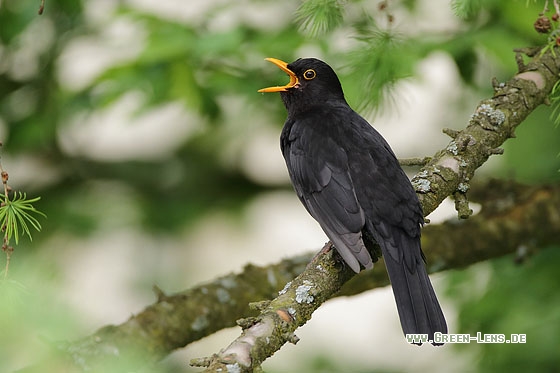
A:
[284,67]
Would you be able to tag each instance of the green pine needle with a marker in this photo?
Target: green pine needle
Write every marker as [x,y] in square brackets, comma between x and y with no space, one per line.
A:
[466,9]
[16,216]
[317,17]
[385,59]
[555,103]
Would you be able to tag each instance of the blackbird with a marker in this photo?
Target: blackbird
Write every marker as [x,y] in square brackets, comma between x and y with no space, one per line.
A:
[349,180]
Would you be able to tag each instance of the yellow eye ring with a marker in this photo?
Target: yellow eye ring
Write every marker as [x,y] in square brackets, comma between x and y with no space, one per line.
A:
[309,74]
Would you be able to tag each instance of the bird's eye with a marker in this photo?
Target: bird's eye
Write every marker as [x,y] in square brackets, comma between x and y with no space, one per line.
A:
[309,74]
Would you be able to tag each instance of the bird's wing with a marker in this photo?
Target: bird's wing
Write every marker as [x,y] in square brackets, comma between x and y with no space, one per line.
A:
[320,174]
[394,214]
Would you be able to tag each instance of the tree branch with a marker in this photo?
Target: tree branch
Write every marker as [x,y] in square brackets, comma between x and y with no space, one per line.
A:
[514,215]
[492,123]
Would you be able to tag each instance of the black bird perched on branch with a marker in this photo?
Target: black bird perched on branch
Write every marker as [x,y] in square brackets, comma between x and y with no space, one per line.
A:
[349,180]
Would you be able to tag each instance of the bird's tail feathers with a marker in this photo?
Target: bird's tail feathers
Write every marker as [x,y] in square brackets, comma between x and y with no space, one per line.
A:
[417,304]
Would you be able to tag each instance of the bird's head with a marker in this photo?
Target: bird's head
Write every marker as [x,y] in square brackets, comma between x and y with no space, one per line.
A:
[311,82]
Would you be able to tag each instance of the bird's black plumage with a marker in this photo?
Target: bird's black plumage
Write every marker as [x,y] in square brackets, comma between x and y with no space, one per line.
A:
[350,181]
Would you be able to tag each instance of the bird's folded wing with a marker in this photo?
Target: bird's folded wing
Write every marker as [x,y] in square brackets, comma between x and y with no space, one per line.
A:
[322,181]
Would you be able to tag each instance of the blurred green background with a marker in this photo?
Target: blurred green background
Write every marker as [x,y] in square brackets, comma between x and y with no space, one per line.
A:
[139,125]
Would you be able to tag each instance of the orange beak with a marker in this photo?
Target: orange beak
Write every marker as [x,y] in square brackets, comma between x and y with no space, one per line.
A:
[284,67]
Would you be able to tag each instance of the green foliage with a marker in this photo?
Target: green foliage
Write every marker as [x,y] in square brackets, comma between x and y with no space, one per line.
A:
[532,156]
[466,9]
[383,59]
[555,102]
[317,17]
[16,216]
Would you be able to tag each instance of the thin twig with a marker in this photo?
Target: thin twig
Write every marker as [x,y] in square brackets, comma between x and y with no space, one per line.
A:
[414,161]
